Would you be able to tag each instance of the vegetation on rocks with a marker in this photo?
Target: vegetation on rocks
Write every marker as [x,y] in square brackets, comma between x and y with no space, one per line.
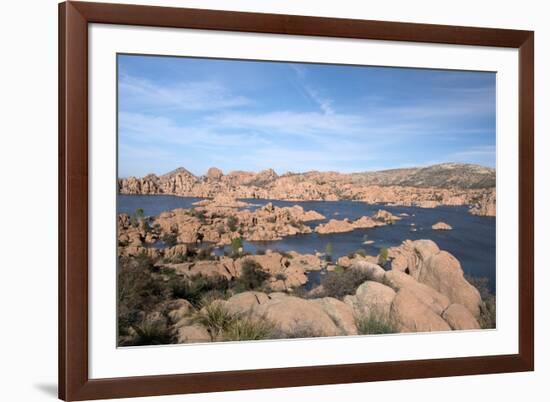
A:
[340,283]
[187,291]
[374,324]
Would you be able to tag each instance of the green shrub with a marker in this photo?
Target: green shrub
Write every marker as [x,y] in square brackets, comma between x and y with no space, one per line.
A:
[487,318]
[206,253]
[220,229]
[170,239]
[139,291]
[236,244]
[285,254]
[340,284]
[151,333]
[281,276]
[232,223]
[248,329]
[300,330]
[328,252]
[383,256]
[361,252]
[252,275]
[196,288]
[374,324]
[198,214]
[216,318]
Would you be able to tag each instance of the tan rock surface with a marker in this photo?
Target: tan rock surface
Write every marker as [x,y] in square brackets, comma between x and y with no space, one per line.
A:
[441,226]
[410,314]
[460,318]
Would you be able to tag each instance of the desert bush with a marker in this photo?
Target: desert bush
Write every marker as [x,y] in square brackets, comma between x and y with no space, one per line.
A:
[216,318]
[373,324]
[176,258]
[232,223]
[248,329]
[170,239]
[361,252]
[252,275]
[139,291]
[220,229]
[338,269]
[281,276]
[383,256]
[236,244]
[339,284]
[198,287]
[285,254]
[205,253]
[300,330]
[328,252]
[150,333]
[487,318]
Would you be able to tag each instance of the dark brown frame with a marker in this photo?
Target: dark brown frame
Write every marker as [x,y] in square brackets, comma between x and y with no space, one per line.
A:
[74,17]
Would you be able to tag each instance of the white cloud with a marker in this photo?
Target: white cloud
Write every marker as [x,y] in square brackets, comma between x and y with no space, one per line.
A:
[191,96]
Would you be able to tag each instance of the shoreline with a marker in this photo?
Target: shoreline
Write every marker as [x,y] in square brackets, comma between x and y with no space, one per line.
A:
[245,199]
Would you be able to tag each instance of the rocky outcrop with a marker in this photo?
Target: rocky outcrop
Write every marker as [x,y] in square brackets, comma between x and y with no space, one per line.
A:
[286,272]
[410,314]
[443,272]
[219,222]
[397,280]
[441,226]
[214,174]
[346,225]
[222,201]
[426,263]
[335,226]
[372,298]
[459,318]
[446,184]
[385,216]
[294,316]
[485,204]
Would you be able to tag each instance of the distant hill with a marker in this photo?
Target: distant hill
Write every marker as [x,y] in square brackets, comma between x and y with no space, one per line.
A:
[445,175]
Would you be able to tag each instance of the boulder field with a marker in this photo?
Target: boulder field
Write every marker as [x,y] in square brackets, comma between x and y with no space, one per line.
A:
[221,220]
[425,290]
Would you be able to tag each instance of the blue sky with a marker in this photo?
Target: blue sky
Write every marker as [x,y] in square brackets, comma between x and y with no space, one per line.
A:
[247,115]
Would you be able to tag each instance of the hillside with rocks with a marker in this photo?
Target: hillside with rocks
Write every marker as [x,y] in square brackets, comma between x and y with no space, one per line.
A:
[446,175]
[444,184]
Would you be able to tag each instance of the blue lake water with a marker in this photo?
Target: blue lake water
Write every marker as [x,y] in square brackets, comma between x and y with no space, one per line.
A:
[472,240]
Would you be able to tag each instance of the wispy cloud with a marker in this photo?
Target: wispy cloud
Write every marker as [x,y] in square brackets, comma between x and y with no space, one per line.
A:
[183,96]
[299,120]
[323,102]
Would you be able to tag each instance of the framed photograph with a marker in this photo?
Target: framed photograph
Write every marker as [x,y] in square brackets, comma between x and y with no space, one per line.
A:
[259,200]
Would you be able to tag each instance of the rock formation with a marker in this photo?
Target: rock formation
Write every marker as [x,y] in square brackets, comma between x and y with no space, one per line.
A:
[441,226]
[446,184]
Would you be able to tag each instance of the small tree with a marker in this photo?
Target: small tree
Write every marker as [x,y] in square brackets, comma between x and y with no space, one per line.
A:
[139,213]
[236,244]
[328,251]
[252,275]
[383,256]
[232,223]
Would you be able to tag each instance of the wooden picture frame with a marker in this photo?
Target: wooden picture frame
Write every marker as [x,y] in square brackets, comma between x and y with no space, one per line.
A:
[74,381]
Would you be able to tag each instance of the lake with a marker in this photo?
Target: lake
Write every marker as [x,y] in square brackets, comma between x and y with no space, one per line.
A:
[472,240]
